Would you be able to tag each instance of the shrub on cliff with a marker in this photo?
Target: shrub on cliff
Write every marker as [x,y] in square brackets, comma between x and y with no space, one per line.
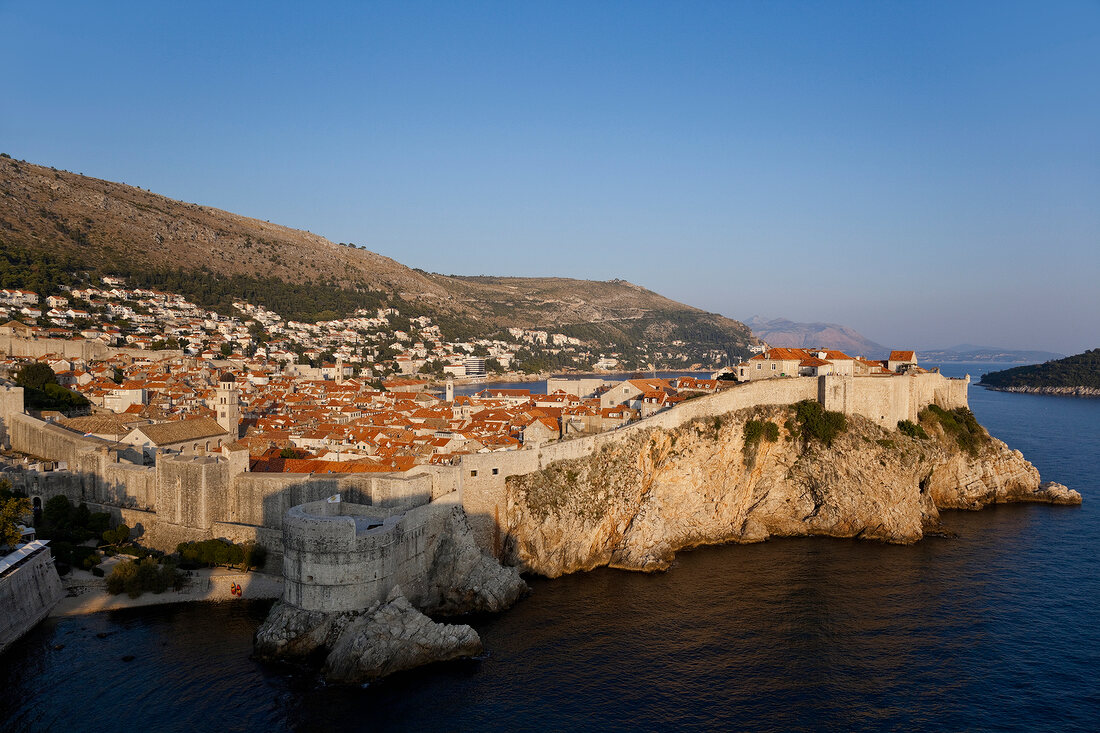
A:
[817,423]
[758,430]
[913,430]
[959,424]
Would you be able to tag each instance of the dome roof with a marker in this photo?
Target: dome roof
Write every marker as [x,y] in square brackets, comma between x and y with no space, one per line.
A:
[227,377]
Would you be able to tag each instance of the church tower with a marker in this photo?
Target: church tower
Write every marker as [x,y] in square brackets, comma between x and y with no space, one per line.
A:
[229,405]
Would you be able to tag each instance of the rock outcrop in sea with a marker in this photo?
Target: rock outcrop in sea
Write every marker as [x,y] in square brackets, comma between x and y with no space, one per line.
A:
[636,503]
[740,477]
[364,645]
[1059,391]
[395,634]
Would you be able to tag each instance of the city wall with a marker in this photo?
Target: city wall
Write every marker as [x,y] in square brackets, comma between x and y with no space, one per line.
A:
[197,497]
[75,349]
[341,556]
[884,400]
[27,593]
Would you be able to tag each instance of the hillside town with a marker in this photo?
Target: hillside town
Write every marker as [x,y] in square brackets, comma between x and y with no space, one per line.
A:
[369,393]
[369,345]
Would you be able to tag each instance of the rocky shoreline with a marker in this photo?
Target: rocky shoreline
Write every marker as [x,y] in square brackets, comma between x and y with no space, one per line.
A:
[1061,391]
[636,503]
[397,634]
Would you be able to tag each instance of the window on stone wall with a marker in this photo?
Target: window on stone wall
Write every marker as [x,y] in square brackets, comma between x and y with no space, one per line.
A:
[473,473]
[496,471]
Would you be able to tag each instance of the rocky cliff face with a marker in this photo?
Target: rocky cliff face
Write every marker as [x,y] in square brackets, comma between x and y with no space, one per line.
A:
[363,645]
[637,502]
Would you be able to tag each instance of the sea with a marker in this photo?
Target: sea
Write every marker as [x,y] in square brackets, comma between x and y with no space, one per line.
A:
[995,629]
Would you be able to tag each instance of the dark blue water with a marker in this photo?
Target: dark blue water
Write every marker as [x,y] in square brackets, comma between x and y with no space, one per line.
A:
[994,630]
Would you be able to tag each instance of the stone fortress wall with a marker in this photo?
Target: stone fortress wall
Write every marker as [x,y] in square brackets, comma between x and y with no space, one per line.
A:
[342,556]
[34,348]
[197,496]
[882,399]
[27,593]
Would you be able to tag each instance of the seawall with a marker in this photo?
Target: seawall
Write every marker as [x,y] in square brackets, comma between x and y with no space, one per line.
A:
[27,593]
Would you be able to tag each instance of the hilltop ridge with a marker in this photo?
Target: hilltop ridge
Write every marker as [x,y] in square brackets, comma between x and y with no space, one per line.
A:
[78,225]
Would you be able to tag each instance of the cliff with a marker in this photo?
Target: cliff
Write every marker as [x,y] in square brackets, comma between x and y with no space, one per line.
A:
[638,501]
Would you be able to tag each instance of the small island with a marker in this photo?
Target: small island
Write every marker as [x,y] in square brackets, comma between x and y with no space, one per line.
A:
[1077,376]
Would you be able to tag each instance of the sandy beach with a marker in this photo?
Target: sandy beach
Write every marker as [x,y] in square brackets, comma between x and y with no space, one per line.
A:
[86,593]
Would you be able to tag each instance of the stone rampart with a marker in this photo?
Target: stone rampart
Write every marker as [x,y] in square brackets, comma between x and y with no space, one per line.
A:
[46,440]
[342,556]
[27,593]
[262,499]
[196,497]
[191,490]
[75,349]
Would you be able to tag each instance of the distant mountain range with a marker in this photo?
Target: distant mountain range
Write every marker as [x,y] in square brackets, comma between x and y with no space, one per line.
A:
[781,332]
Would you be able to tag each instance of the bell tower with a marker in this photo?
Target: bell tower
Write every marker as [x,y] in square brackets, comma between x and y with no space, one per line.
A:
[228,400]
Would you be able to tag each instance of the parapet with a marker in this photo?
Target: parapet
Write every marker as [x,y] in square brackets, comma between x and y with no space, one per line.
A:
[340,556]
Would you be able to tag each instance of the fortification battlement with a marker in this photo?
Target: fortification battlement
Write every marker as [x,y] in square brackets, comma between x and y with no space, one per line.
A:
[308,525]
[340,556]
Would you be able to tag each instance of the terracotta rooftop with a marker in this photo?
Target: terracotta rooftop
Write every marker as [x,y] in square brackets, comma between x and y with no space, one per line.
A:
[180,431]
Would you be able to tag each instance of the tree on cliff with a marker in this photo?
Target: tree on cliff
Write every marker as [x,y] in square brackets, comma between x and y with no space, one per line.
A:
[13,512]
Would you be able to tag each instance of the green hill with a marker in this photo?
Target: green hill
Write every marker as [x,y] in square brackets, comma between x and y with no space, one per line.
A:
[58,228]
[1078,371]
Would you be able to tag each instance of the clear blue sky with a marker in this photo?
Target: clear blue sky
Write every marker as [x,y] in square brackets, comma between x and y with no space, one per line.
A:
[927,173]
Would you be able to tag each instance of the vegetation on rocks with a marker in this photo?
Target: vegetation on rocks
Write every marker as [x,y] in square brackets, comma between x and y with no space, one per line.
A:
[814,422]
[757,431]
[1080,370]
[958,424]
[582,487]
[912,429]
